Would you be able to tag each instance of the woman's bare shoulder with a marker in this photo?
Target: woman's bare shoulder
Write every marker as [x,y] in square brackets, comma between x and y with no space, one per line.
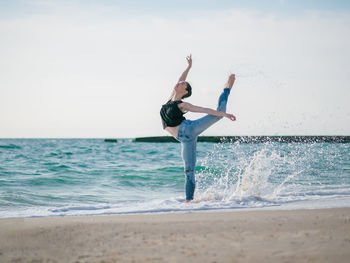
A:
[183,106]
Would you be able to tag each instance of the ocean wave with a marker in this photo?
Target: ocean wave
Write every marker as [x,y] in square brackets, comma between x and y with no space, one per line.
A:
[10,146]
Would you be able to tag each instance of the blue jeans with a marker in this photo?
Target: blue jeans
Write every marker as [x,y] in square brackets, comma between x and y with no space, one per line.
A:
[187,135]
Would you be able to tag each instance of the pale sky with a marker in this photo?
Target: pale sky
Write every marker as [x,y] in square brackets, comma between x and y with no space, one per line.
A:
[102,69]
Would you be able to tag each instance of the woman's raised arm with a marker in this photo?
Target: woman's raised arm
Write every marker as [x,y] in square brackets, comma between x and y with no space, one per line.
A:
[184,74]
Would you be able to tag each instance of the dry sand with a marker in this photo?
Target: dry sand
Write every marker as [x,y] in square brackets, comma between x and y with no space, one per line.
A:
[241,236]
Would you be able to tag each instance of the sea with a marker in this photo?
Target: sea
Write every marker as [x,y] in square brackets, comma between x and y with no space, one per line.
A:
[70,177]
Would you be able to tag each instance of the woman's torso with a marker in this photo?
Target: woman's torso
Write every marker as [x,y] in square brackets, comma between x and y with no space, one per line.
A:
[173,130]
[172,116]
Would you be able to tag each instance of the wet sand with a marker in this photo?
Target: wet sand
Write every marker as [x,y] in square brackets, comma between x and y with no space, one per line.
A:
[321,235]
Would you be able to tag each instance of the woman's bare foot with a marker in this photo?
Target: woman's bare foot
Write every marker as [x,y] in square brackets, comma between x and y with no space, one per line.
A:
[230,81]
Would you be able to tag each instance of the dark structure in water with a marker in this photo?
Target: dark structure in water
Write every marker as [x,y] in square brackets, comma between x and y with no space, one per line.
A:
[111,140]
[253,139]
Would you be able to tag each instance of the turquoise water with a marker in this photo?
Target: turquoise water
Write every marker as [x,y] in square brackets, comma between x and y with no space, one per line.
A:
[55,177]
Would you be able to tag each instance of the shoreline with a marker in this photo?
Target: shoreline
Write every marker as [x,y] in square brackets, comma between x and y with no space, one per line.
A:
[311,206]
[305,235]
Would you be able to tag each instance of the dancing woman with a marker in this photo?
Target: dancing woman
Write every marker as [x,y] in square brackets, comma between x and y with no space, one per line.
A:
[187,131]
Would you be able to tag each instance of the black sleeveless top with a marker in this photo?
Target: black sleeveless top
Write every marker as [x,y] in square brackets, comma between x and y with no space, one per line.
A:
[171,115]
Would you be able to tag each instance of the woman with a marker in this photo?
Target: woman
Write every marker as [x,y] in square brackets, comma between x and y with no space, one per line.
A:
[187,131]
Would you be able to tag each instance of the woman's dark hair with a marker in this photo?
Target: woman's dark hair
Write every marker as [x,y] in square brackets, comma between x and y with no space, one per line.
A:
[189,91]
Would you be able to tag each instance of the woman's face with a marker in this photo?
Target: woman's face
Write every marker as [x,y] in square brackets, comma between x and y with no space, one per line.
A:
[181,87]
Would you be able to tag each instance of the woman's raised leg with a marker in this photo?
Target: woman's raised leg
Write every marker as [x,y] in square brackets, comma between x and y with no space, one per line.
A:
[205,122]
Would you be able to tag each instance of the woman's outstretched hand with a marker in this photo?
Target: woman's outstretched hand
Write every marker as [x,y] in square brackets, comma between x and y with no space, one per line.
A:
[230,116]
[189,60]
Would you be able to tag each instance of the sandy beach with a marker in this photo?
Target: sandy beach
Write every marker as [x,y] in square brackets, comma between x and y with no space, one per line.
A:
[321,235]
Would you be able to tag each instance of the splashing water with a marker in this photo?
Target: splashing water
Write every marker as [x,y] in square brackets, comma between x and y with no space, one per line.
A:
[268,172]
[238,178]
